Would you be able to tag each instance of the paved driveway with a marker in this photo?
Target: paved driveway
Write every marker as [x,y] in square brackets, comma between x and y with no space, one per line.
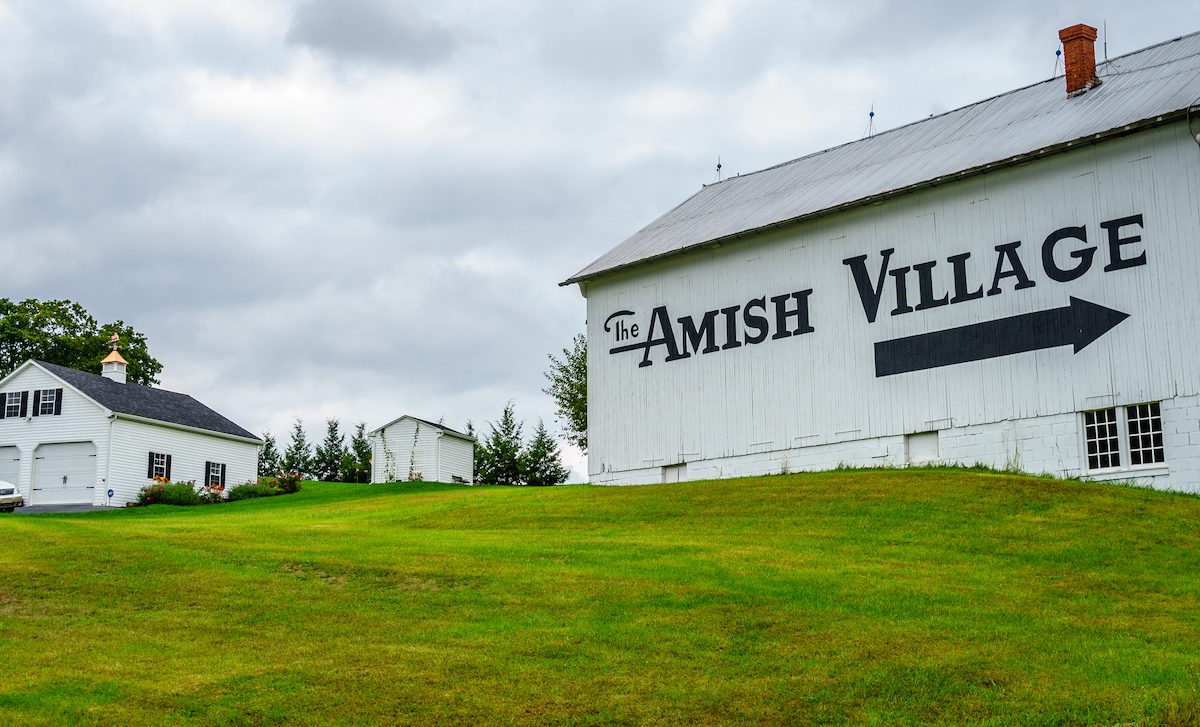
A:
[55,508]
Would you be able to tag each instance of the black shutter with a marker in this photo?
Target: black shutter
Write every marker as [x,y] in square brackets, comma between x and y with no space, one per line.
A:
[168,475]
[24,403]
[150,467]
[207,469]
[37,401]
[222,475]
[58,402]
[3,404]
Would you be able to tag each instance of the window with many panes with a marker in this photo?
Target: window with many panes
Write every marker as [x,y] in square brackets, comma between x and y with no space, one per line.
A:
[1128,436]
[48,399]
[160,465]
[214,474]
[12,404]
[1145,433]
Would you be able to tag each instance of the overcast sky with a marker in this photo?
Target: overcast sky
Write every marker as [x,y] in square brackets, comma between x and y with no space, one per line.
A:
[361,209]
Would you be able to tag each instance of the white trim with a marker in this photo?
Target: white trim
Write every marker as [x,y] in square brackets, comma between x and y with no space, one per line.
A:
[185,428]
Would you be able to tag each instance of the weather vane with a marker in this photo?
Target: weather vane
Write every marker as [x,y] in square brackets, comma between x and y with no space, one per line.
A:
[115,342]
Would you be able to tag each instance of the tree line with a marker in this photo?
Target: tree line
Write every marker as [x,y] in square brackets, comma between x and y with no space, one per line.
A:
[333,460]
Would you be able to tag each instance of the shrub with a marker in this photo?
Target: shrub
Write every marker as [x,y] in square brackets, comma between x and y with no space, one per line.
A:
[163,492]
[250,490]
[288,482]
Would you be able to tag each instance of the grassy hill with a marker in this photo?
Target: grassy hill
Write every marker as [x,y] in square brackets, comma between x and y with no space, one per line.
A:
[911,596]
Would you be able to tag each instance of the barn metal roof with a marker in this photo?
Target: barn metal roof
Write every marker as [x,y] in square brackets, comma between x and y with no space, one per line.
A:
[146,402]
[1147,87]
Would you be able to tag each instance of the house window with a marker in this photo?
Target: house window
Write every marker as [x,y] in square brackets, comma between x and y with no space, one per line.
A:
[215,470]
[48,399]
[12,404]
[1131,434]
[160,465]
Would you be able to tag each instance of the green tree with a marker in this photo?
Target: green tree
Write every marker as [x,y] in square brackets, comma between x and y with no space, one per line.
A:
[298,455]
[540,462]
[63,332]
[356,462]
[498,457]
[268,456]
[327,462]
[568,388]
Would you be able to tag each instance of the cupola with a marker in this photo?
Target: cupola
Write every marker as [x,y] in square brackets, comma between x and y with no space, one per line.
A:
[113,365]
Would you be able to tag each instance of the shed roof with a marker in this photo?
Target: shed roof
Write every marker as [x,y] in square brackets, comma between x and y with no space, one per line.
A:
[146,401]
[1147,87]
[426,422]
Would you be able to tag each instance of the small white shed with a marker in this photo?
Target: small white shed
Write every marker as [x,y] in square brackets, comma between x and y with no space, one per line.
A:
[409,448]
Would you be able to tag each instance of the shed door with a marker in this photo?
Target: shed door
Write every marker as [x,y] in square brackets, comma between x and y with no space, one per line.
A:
[64,473]
[10,465]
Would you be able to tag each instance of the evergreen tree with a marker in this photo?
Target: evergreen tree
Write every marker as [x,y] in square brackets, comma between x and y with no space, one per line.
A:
[327,462]
[498,458]
[540,462]
[356,462]
[568,388]
[298,455]
[268,456]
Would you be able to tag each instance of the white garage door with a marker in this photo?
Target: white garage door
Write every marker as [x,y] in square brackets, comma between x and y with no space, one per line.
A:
[64,473]
[10,464]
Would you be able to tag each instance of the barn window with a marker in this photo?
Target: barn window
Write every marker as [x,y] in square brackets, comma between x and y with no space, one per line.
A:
[12,404]
[1132,434]
[1103,444]
[1145,433]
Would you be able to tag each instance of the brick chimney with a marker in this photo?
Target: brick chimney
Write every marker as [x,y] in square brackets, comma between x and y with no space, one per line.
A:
[1079,46]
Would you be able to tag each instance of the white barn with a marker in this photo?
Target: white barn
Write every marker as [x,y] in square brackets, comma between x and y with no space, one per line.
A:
[1011,283]
[409,448]
[71,437]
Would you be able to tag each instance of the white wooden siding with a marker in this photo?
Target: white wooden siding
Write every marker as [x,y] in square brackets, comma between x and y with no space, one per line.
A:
[133,441]
[81,420]
[457,459]
[419,450]
[820,389]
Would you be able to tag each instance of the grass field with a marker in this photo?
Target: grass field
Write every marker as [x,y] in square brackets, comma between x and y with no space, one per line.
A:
[890,597]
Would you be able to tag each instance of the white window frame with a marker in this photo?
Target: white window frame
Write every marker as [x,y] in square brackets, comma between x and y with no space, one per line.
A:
[12,404]
[160,465]
[53,394]
[214,474]
[1124,446]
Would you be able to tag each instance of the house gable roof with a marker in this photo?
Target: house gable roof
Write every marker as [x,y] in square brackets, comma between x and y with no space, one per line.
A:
[146,402]
[440,427]
[1151,86]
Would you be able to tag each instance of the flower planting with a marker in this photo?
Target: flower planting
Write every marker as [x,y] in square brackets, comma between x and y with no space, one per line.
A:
[165,492]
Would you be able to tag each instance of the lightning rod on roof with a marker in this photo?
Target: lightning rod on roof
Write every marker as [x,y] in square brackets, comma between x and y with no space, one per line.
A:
[718,177]
[1057,56]
[870,130]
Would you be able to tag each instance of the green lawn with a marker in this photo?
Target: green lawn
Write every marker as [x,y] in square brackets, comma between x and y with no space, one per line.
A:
[889,597]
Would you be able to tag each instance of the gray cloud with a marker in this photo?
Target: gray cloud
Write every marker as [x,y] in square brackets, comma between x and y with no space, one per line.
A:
[371,30]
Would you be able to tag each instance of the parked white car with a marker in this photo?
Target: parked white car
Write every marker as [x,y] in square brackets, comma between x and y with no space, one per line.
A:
[10,497]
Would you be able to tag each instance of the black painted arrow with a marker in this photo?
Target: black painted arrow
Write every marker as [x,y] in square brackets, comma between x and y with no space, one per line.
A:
[1077,324]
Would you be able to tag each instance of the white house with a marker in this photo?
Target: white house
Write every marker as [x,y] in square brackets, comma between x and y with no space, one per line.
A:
[1012,283]
[409,448]
[68,436]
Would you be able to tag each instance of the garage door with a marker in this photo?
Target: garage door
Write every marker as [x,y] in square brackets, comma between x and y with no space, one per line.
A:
[10,464]
[64,473]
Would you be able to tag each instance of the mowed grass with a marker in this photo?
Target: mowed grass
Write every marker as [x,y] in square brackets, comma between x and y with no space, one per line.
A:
[888,597]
